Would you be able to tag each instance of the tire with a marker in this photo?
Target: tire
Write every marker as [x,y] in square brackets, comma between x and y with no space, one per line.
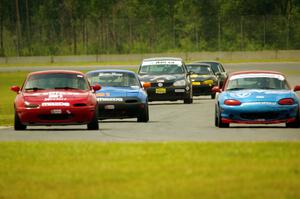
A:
[213,96]
[18,126]
[216,117]
[189,100]
[94,124]
[144,115]
[295,124]
[219,121]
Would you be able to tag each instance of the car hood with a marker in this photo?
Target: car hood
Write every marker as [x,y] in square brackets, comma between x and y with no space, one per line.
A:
[55,95]
[197,77]
[118,92]
[161,78]
[258,95]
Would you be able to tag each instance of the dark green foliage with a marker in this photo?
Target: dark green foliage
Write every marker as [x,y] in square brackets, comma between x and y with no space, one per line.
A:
[64,27]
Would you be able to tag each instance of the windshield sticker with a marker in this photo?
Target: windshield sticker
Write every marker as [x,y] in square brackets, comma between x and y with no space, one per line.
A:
[110,74]
[55,104]
[267,75]
[80,76]
[149,63]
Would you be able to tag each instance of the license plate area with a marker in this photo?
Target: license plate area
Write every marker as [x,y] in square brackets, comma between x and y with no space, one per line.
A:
[109,107]
[160,90]
[56,111]
[196,83]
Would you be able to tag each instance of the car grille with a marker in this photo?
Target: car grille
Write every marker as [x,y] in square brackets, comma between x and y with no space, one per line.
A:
[260,115]
[55,116]
[164,84]
[129,101]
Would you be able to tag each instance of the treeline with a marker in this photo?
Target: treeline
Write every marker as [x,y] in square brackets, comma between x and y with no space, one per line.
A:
[64,27]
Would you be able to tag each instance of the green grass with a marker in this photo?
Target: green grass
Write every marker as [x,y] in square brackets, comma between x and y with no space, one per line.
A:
[149,170]
[7,96]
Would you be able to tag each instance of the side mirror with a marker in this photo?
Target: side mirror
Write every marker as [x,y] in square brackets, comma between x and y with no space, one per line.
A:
[96,87]
[297,88]
[218,73]
[15,88]
[191,72]
[216,89]
[146,85]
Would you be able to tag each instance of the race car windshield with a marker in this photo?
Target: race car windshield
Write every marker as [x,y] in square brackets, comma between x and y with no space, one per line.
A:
[114,79]
[56,81]
[257,83]
[162,69]
[198,69]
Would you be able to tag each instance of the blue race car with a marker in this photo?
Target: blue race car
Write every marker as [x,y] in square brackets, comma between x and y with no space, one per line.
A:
[257,97]
[121,96]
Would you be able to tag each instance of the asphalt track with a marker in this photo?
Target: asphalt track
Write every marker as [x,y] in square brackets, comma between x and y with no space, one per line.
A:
[169,121]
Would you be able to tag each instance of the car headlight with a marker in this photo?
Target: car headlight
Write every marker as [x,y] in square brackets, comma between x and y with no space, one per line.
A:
[180,83]
[29,105]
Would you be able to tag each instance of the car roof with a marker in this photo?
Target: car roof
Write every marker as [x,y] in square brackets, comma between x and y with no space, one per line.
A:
[256,72]
[111,70]
[163,59]
[208,61]
[56,71]
[198,64]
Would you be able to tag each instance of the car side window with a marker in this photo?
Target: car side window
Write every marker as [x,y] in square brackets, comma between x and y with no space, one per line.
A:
[221,68]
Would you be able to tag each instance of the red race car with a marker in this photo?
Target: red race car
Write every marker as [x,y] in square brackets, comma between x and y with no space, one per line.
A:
[55,97]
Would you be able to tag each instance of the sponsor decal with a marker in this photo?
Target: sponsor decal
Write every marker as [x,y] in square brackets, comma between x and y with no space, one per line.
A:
[240,95]
[55,96]
[103,94]
[102,99]
[55,104]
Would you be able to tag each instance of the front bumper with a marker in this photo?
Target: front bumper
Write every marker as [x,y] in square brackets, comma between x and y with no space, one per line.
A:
[119,110]
[56,115]
[259,113]
[202,90]
[170,94]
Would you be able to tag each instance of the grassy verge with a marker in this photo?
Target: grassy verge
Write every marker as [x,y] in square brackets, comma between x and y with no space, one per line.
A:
[152,170]
[7,97]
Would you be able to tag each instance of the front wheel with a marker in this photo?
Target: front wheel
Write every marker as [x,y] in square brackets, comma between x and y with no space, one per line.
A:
[213,96]
[144,115]
[189,100]
[219,120]
[295,124]
[18,126]
[93,125]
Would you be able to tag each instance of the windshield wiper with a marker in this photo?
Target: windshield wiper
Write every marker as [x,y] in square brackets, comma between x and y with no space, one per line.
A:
[266,88]
[66,87]
[232,89]
[34,89]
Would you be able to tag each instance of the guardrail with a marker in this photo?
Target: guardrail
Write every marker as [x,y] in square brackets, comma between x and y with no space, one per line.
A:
[187,56]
